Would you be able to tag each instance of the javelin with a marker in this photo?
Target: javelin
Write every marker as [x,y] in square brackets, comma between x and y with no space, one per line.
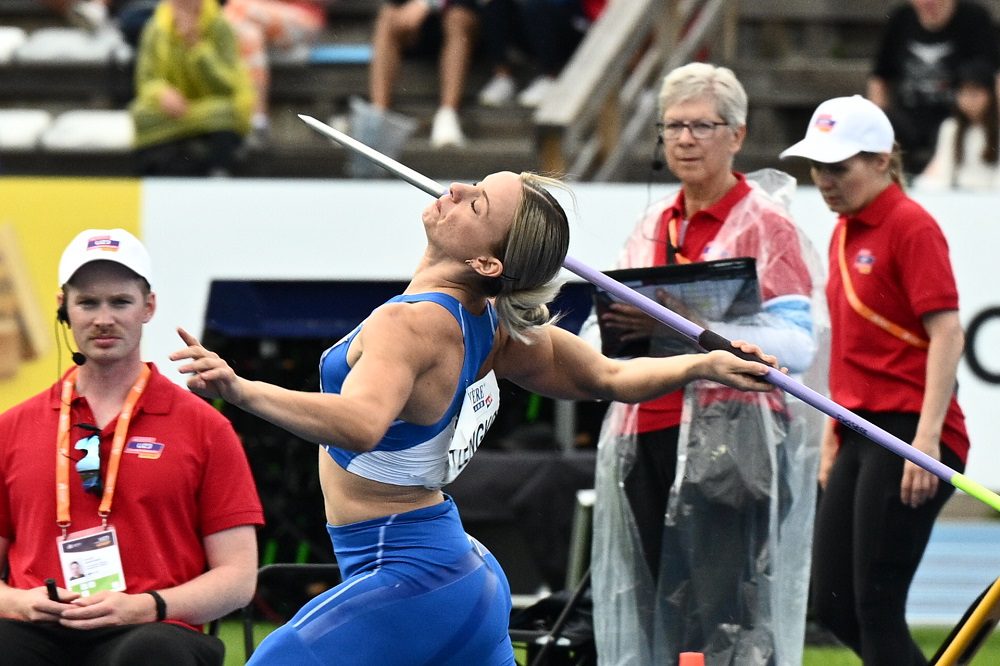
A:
[708,340]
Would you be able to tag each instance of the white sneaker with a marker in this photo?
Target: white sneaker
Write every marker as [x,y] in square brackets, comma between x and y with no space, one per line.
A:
[260,133]
[446,131]
[498,92]
[536,93]
[89,14]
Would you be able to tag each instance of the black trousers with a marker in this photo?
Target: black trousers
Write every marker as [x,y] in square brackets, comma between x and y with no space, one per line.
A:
[868,545]
[717,596]
[647,486]
[153,644]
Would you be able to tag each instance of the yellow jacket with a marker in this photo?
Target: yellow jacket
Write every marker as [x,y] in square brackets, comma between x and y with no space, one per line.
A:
[209,74]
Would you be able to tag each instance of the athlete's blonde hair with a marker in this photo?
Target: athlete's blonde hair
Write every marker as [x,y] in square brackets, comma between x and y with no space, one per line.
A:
[533,253]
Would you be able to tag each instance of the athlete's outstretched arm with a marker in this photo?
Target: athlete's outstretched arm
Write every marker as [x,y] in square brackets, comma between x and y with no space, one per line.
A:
[561,365]
[398,348]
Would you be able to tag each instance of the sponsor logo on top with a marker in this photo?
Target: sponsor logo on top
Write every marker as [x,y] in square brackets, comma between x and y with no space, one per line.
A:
[102,244]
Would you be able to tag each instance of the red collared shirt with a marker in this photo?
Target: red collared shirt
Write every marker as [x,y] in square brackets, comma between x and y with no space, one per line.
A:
[701,228]
[703,225]
[897,260]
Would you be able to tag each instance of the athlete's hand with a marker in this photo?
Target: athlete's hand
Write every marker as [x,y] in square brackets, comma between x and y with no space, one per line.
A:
[34,605]
[109,609]
[919,485]
[726,368]
[210,376]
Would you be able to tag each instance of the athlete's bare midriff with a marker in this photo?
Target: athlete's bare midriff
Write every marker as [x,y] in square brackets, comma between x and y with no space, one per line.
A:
[350,498]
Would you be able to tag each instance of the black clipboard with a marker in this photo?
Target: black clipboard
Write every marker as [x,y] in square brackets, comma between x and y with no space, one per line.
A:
[718,290]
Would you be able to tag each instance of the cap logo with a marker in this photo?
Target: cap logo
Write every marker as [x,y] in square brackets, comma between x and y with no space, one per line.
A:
[103,244]
[825,122]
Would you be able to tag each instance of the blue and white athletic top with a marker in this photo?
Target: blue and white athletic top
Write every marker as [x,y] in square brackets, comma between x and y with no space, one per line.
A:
[426,455]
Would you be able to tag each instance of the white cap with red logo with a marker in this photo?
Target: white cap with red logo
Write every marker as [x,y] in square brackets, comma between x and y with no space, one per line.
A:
[841,128]
[115,245]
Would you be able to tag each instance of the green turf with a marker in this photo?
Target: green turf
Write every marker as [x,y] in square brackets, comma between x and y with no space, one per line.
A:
[928,638]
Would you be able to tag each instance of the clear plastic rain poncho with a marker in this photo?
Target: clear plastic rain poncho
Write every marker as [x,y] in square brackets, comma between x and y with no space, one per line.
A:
[734,571]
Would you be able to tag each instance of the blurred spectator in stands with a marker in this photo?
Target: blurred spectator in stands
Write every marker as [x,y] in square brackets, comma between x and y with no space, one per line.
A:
[423,26]
[547,30]
[966,156]
[90,14]
[922,45]
[193,93]
[289,26]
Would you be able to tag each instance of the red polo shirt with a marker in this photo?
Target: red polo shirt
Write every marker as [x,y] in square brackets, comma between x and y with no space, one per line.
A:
[665,411]
[198,483]
[897,259]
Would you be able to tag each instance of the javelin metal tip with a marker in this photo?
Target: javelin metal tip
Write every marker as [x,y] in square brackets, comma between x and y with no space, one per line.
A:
[401,171]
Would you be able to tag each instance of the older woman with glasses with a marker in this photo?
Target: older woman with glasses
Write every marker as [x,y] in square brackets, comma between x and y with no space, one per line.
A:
[692,486]
[896,343]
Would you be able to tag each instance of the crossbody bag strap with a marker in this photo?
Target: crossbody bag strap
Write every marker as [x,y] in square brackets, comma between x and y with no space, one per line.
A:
[889,327]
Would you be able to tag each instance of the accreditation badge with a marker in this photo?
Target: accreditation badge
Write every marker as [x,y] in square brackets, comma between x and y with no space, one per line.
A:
[91,561]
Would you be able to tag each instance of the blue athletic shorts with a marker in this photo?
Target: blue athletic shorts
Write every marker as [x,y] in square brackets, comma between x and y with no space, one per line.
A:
[416,590]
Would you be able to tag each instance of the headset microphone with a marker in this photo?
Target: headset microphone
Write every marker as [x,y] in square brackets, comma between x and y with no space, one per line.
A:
[63,316]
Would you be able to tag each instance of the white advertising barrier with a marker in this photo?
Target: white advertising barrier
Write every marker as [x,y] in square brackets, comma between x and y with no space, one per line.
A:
[200,231]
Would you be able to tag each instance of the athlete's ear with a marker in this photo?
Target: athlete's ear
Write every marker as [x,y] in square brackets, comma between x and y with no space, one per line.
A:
[490,267]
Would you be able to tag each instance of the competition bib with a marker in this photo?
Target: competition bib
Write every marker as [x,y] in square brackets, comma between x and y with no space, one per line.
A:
[479,409]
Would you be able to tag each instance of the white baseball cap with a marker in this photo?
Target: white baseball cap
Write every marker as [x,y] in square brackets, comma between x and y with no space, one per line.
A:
[115,245]
[841,128]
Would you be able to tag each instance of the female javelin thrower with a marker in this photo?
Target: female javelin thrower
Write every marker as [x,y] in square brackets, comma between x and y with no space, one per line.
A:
[405,399]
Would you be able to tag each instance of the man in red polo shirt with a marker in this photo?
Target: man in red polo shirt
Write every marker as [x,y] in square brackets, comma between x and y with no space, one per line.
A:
[139,483]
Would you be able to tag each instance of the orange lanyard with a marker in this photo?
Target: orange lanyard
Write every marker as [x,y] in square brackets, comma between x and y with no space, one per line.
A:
[117,446]
[673,246]
[867,312]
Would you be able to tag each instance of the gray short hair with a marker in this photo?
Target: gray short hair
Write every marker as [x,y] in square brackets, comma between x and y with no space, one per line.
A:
[700,79]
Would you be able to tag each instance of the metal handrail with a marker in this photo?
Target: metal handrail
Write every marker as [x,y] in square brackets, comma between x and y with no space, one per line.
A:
[589,123]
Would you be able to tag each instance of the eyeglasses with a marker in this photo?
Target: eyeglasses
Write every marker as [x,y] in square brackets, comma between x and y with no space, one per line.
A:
[89,466]
[834,170]
[700,129]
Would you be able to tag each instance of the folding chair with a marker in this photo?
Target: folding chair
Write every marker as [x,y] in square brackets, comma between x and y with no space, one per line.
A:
[968,635]
[281,590]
